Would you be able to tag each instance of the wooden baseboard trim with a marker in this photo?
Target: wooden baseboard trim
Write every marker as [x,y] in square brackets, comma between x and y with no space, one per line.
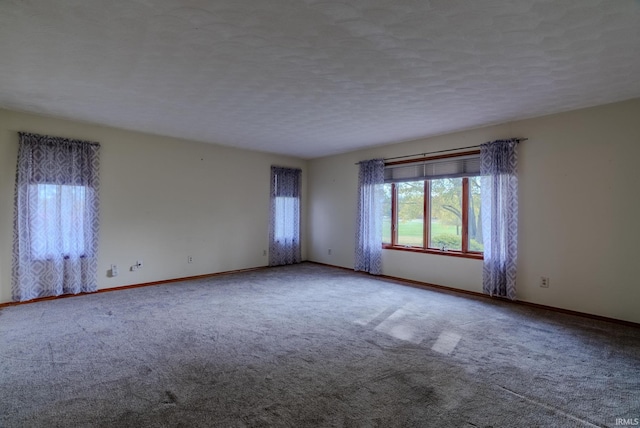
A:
[126,287]
[401,281]
[452,290]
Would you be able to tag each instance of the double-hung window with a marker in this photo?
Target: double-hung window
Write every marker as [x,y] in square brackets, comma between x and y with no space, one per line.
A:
[432,205]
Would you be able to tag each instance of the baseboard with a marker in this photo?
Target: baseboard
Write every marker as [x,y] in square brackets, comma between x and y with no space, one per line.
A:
[126,287]
[401,281]
[452,290]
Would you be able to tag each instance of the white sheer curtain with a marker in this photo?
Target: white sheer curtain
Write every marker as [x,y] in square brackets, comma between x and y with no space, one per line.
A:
[498,167]
[284,231]
[368,255]
[56,217]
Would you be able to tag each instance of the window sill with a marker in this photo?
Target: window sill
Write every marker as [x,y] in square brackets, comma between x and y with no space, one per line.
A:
[477,256]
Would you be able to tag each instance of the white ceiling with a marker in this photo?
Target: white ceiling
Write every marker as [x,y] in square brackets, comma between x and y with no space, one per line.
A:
[312,78]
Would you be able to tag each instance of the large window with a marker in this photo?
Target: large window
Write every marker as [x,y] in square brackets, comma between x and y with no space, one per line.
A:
[433,205]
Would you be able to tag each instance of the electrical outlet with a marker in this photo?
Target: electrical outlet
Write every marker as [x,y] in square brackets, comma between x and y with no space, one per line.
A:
[189,259]
[139,264]
[544,281]
[134,268]
[114,270]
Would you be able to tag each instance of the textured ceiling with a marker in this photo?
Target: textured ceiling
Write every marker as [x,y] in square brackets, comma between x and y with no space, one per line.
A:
[311,78]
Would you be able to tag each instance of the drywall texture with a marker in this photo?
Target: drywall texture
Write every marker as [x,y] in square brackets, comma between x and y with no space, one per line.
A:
[578,220]
[162,200]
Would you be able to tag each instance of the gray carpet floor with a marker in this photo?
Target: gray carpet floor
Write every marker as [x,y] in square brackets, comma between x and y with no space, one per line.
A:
[309,345]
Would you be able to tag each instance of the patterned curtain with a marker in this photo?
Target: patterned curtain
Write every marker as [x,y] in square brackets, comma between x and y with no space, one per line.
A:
[55,236]
[284,231]
[499,201]
[369,222]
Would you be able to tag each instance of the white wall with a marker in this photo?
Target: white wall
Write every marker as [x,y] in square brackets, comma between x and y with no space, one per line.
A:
[579,211]
[162,199]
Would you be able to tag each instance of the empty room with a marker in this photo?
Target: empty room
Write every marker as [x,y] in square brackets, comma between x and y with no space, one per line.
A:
[298,213]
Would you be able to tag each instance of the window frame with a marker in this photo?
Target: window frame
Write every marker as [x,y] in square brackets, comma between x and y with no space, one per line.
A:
[464,251]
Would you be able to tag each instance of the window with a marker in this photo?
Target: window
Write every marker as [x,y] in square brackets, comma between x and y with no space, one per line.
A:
[433,205]
[284,230]
[410,210]
[286,209]
[59,221]
[56,217]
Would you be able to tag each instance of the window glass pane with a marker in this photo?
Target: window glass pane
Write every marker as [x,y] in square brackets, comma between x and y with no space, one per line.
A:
[446,214]
[411,213]
[475,225]
[57,228]
[285,218]
[386,214]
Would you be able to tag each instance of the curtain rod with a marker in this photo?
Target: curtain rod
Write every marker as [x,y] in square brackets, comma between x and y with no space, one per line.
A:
[441,151]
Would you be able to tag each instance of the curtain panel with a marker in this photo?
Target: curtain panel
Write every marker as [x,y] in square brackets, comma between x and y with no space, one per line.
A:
[56,208]
[284,230]
[368,254]
[499,201]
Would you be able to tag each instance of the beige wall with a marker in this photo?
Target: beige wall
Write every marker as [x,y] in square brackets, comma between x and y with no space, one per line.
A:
[162,199]
[578,220]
